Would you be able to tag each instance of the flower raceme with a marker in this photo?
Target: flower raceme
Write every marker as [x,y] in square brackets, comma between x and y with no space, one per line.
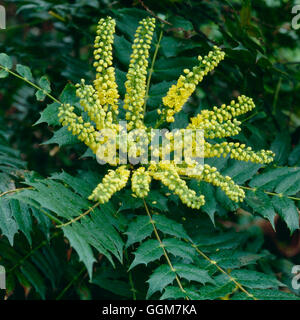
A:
[137,74]
[178,94]
[101,102]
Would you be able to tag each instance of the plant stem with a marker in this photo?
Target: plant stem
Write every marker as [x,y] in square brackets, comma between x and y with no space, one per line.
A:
[31,83]
[164,250]
[14,190]
[280,195]
[151,68]
[130,279]
[80,216]
[70,284]
[57,16]
[223,271]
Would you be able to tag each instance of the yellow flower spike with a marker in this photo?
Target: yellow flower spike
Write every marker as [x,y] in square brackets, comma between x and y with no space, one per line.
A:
[140,182]
[179,93]
[237,151]
[168,175]
[105,83]
[214,129]
[114,181]
[214,177]
[137,73]
[225,112]
[91,104]
[83,130]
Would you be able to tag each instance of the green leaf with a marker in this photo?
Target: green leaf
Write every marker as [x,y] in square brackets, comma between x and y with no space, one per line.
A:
[176,293]
[49,115]
[171,47]
[8,225]
[255,280]
[208,191]
[260,202]
[100,232]
[5,61]
[289,184]
[220,290]
[271,175]
[122,50]
[240,171]
[229,259]
[78,242]
[43,221]
[148,251]
[128,202]
[40,95]
[267,294]
[179,248]
[170,227]
[23,218]
[114,281]
[179,22]
[157,92]
[281,146]
[138,230]
[3,74]
[127,20]
[81,187]
[157,201]
[24,71]
[34,277]
[48,263]
[294,157]
[288,212]
[214,241]
[45,84]
[68,95]
[224,201]
[62,137]
[171,68]
[55,197]
[192,273]
[159,279]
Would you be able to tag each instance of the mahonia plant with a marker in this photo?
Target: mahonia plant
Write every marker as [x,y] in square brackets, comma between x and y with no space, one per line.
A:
[102,102]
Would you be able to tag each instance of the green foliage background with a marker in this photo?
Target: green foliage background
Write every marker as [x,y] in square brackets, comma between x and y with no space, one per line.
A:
[224,250]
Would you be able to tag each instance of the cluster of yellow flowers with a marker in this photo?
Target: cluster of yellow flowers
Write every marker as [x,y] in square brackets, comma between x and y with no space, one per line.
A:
[220,122]
[105,83]
[91,104]
[114,181]
[237,151]
[101,103]
[137,74]
[179,93]
[85,131]
[168,175]
[140,182]
[211,175]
